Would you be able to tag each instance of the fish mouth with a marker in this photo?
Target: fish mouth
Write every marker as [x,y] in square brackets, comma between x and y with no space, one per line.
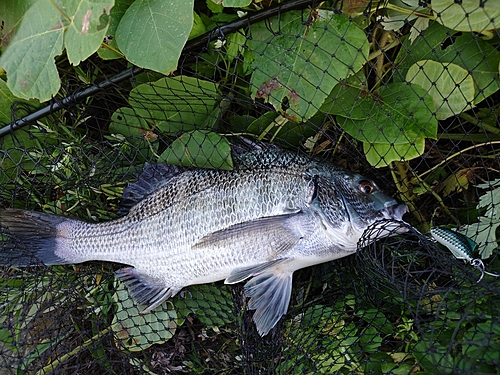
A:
[393,219]
[395,212]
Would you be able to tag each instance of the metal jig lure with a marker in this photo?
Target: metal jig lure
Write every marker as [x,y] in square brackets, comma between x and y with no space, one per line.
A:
[461,246]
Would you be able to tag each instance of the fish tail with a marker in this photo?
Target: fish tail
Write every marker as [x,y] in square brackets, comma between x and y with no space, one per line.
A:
[29,237]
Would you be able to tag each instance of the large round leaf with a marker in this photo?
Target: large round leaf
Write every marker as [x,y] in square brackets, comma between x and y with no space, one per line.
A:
[199,148]
[135,331]
[467,15]
[175,104]
[396,114]
[296,66]
[450,86]
[381,154]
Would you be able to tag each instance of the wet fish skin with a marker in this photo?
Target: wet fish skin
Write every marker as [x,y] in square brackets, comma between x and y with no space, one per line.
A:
[276,212]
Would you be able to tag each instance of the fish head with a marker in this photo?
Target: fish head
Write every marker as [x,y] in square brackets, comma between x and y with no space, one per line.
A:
[354,203]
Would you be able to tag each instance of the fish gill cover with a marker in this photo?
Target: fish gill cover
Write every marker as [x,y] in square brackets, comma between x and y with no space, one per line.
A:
[105,105]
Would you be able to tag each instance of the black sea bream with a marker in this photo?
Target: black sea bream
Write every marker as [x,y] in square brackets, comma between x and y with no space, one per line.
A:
[276,212]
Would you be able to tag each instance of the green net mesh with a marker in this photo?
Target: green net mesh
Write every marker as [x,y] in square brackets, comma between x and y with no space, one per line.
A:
[404,92]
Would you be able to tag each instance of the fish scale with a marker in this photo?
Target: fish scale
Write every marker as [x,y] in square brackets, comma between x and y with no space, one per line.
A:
[276,212]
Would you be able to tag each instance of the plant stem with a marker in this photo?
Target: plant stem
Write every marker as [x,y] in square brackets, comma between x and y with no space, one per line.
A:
[378,52]
[408,11]
[446,160]
[480,124]
[50,367]
[402,183]
[479,138]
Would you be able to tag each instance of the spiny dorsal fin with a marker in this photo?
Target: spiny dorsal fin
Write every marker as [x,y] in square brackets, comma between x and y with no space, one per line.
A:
[151,178]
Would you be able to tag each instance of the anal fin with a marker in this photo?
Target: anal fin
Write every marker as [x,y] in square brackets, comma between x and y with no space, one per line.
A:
[269,295]
[145,290]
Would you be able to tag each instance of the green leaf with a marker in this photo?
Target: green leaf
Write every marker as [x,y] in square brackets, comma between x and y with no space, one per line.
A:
[211,304]
[393,122]
[295,69]
[135,331]
[484,234]
[89,24]
[175,104]
[381,154]
[6,100]
[484,231]
[29,58]
[199,27]
[236,3]
[126,124]
[370,340]
[235,44]
[480,59]
[125,121]
[262,123]
[215,6]
[396,114]
[11,15]
[199,148]
[115,16]
[13,154]
[467,15]
[467,51]
[164,29]
[450,86]
[428,46]
[490,199]
[349,98]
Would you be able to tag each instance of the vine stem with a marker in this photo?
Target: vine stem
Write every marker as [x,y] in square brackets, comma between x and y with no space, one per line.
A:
[455,155]
[480,124]
[402,184]
[50,367]
[412,12]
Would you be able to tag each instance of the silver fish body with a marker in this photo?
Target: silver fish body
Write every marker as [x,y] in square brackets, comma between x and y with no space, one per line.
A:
[276,212]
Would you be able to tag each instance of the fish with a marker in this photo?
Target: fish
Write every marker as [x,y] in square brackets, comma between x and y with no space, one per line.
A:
[275,212]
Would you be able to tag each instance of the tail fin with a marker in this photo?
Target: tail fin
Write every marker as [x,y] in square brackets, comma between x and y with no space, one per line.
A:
[29,237]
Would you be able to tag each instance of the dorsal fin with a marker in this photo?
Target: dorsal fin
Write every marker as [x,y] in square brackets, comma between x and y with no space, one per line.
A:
[243,145]
[151,178]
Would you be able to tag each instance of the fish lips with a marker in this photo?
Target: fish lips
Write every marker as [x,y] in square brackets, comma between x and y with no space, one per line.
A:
[394,216]
[390,216]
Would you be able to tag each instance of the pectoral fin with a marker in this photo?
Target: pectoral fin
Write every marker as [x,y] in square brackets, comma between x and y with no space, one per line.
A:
[270,236]
[269,295]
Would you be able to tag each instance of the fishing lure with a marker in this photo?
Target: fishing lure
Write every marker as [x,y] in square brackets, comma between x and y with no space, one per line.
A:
[461,246]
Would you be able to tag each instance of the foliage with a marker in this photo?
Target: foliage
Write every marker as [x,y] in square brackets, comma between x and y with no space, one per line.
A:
[484,231]
[305,83]
[392,95]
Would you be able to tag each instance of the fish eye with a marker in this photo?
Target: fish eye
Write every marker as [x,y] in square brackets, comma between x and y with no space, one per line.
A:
[365,186]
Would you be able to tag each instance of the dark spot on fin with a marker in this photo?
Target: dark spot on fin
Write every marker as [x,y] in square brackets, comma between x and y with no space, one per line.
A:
[145,290]
[29,237]
[269,295]
[151,178]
